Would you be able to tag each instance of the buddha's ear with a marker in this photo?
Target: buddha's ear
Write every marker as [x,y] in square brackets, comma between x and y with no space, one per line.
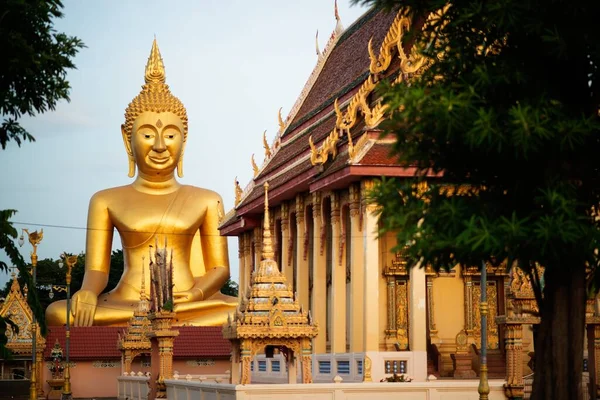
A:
[180,165]
[127,144]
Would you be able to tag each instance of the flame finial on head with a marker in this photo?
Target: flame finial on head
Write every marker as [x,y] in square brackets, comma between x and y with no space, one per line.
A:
[267,248]
[155,68]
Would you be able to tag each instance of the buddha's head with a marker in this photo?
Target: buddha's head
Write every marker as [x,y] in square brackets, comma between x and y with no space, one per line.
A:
[156,124]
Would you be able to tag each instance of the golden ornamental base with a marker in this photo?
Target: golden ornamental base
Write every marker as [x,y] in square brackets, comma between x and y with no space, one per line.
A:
[514,392]
[56,386]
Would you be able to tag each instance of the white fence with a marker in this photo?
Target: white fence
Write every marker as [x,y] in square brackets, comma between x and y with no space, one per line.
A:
[436,390]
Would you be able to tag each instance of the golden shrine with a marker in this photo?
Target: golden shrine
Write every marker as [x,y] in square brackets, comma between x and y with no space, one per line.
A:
[269,318]
[16,309]
[135,340]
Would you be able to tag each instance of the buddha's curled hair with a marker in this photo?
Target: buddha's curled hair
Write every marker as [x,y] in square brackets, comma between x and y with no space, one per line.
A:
[155,95]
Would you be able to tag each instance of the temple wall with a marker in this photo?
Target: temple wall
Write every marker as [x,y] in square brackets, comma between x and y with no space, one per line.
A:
[91,379]
[449,311]
[203,366]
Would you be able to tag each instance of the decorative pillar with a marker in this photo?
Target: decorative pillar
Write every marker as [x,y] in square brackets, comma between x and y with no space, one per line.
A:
[246,355]
[513,344]
[248,259]
[371,273]
[433,332]
[161,338]
[242,264]
[306,362]
[257,245]
[418,322]
[357,270]
[301,261]
[286,266]
[319,290]
[338,283]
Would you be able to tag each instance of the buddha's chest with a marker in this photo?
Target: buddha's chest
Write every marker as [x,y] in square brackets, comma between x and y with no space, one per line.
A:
[157,214]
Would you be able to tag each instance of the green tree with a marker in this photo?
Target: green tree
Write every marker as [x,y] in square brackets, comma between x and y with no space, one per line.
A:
[230,288]
[508,108]
[33,74]
[35,59]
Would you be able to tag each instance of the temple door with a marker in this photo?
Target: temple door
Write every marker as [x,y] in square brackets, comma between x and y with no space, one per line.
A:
[495,296]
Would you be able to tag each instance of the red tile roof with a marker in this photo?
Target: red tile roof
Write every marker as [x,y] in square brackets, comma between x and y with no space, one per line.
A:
[100,342]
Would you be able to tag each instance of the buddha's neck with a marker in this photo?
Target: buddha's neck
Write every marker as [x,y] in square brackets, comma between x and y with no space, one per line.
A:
[155,184]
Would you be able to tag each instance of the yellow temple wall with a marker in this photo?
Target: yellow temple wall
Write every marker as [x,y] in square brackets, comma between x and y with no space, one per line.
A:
[449,314]
[386,243]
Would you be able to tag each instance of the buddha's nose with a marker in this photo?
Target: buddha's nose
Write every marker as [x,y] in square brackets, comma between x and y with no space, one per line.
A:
[159,144]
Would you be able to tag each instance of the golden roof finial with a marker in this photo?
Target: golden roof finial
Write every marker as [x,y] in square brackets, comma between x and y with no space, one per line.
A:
[267,247]
[336,13]
[317,44]
[339,28]
[155,69]
[266,145]
[280,120]
[238,191]
[254,166]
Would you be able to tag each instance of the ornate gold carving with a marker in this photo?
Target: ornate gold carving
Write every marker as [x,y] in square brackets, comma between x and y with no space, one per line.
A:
[368,365]
[433,332]
[299,210]
[266,146]
[280,121]
[513,344]
[254,166]
[238,191]
[398,266]
[492,305]
[354,150]
[328,148]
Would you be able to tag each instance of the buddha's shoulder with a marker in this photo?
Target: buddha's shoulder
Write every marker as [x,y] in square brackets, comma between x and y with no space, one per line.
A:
[114,193]
[201,193]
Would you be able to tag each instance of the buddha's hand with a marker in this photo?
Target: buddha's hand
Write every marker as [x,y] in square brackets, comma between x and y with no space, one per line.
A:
[84,307]
[194,294]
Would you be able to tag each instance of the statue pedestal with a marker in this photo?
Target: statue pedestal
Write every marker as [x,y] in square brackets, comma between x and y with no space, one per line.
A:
[161,339]
[56,386]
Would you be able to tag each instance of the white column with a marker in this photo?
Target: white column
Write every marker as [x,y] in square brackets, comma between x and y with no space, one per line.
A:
[319,290]
[338,283]
[356,246]
[371,275]
[418,322]
[301,254]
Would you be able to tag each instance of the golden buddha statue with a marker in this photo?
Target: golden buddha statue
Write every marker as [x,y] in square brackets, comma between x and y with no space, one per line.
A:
[155,206]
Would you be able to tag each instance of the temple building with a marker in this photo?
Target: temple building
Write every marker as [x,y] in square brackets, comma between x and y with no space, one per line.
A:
[374,314]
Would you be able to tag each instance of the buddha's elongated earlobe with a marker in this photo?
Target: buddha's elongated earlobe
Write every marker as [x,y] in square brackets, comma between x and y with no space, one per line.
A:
[180,167]
[127,144]
[131,172]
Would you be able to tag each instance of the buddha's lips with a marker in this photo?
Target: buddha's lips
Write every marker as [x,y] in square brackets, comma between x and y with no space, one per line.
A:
[159,160]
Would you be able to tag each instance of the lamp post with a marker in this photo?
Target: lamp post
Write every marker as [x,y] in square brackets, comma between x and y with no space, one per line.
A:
[484,387]
[70,261]
[35,238]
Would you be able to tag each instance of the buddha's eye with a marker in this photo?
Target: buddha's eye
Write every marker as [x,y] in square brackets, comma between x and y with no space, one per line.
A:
[147,136]
[170,136]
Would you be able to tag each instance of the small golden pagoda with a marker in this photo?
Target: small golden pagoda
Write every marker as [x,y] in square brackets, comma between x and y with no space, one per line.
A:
[135,341]
[269,318]
[16,309]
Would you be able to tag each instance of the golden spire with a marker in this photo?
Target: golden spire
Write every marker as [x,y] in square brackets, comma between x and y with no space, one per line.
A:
[155,69]
[143,296]
[339,28]
[254,166]
[280,120]
[266,145]
[267,248]
[335,10]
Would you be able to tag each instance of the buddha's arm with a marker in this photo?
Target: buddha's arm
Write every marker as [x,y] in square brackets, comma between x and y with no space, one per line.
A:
[214,251]
[98,246]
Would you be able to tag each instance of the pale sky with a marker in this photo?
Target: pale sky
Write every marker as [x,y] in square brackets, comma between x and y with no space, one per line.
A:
[233,64]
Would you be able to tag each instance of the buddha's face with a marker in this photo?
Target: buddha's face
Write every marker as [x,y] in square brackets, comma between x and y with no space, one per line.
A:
[157,142]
